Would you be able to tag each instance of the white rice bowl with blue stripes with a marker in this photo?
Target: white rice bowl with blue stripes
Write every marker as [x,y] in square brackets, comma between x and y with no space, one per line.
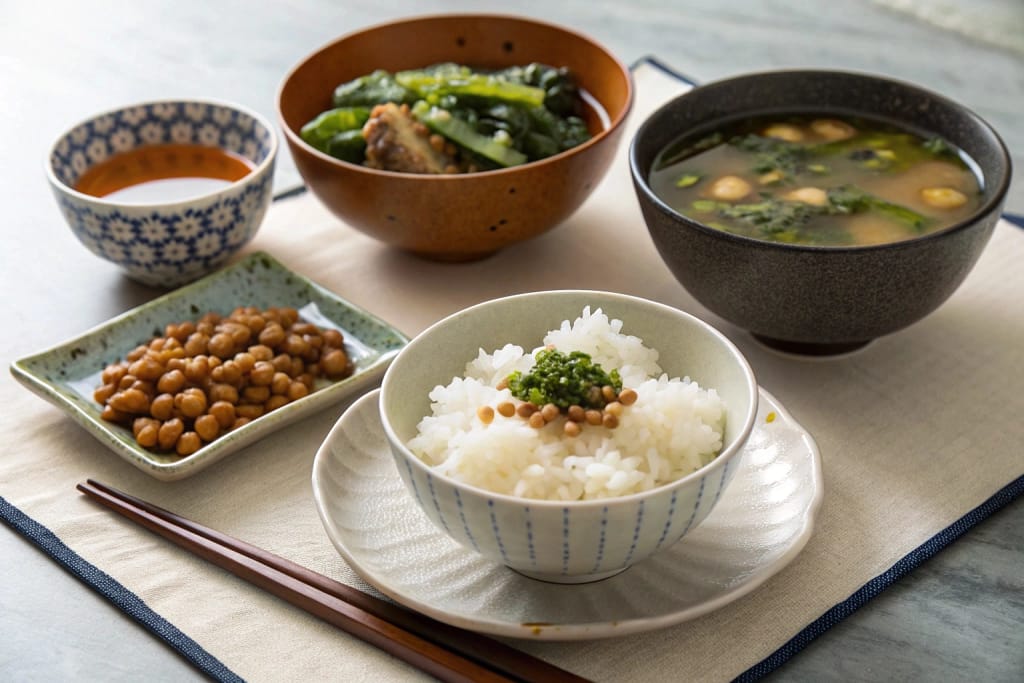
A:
[674,428]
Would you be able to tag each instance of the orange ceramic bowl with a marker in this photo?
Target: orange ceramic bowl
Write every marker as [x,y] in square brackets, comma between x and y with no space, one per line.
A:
[465,216]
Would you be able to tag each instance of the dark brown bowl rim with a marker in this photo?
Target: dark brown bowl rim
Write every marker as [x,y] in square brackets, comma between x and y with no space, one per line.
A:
[993,203]
[614,123]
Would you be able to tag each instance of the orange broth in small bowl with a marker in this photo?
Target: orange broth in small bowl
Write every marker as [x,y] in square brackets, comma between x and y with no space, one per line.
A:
[166,172]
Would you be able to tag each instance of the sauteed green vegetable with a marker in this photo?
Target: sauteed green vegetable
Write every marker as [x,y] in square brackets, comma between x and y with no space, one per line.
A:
[449,118]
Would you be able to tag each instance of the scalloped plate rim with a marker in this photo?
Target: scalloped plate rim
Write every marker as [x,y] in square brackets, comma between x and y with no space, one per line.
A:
[570,631]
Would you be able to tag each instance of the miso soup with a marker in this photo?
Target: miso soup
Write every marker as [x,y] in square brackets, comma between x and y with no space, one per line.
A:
[818,179]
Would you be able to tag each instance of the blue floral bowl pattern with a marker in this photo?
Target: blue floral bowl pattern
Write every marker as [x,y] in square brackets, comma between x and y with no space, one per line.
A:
[167,244]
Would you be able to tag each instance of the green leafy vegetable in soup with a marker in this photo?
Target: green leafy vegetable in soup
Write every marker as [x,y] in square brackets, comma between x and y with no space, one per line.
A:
[818,180]
[449,118]
[564,380]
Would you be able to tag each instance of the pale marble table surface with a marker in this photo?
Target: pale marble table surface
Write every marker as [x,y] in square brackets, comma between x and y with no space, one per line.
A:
[960,616]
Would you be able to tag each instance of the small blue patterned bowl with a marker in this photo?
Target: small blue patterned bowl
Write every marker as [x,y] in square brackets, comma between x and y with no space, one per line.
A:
[580,540]
[166,244]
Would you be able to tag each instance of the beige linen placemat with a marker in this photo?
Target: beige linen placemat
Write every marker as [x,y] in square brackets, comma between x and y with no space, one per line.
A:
[914,431]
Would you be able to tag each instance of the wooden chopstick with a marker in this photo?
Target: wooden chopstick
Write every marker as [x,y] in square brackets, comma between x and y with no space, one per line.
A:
[444,651]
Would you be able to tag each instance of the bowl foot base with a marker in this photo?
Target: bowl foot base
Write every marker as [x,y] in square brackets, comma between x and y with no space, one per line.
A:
[573,579]
[453,257]
[810,348]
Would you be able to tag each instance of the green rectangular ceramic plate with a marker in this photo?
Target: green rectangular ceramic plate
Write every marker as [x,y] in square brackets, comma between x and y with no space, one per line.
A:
[67,374]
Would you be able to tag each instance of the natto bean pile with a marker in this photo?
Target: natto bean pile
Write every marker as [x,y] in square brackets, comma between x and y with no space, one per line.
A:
[205,378]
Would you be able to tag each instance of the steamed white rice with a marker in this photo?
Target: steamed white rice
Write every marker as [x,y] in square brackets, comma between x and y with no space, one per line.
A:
[674,428]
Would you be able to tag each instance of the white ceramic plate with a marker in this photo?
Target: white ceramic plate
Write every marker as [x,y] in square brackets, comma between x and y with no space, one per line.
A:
[67,374]
[762,521]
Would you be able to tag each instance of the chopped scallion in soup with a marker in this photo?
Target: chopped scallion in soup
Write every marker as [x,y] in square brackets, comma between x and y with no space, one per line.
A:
[820,180]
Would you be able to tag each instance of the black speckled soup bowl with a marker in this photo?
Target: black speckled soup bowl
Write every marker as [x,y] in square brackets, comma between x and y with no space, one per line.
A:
[812,299]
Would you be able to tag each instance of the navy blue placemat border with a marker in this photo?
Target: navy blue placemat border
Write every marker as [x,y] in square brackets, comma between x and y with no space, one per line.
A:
[887,578]
[115,592]
[908,563]
[662,66]
[1015,219]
